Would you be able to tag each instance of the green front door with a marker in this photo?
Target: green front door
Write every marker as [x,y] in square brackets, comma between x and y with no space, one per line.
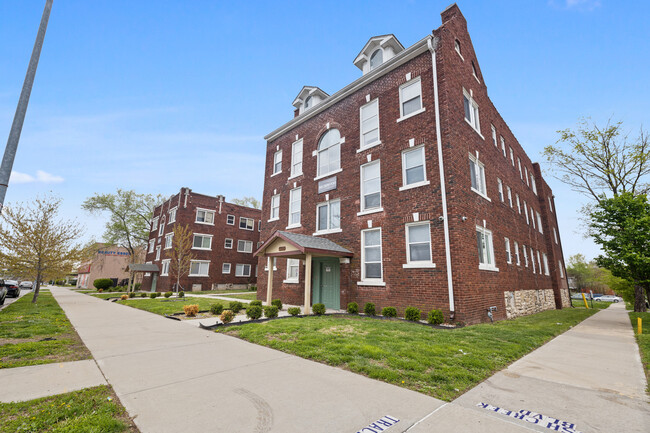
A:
[326,282]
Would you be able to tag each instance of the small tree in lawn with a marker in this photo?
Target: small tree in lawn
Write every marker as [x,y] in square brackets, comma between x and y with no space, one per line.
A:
[180,254]
[35,244]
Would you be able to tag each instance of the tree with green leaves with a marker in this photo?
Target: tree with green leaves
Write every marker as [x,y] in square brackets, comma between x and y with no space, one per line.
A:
[35,244]
[621,226]
[129,218]
[180,254]
[248,202]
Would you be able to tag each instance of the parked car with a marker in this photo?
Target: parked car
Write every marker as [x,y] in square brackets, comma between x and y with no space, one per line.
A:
[26,285]
[609,298]
[13,289]
[3,292]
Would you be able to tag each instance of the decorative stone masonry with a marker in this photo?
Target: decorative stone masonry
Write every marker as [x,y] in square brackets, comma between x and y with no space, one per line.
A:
[525,302]
[566,301]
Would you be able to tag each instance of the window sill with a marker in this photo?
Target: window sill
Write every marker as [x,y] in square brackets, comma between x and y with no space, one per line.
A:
[242,276]
[293,176]
[474,128]
[327,232]
[479,81]
[276,173]
[371,283]
[424,265]
[461,56]
[271,220]
[167,248]
[488,268]
[164,275]
[415,113]
[245,252]
[481,194]
[193,275]
[205,224]
[290,282]
[370,211]
[414,185]
[293,226]
[362,149]
[331,173]
[200,249]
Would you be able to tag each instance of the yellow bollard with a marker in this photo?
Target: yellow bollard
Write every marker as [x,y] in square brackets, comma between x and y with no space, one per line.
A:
[585,301]
[639,326]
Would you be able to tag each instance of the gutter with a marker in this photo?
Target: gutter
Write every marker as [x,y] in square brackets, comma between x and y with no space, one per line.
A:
[432,42]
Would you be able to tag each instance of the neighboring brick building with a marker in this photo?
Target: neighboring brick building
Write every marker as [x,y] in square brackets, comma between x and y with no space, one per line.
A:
[225,236]
[108,262]
[427,197]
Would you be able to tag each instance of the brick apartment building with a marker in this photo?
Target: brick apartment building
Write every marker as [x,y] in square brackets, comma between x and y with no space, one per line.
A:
[225,236]
[407,188]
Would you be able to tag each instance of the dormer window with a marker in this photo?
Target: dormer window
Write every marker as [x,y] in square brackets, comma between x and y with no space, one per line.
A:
[308,102]
[309,97]
[376,59]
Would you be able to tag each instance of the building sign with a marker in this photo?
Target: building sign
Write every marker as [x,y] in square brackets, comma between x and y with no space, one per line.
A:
[380,425]
[534,418]
[327,184]
[112,253]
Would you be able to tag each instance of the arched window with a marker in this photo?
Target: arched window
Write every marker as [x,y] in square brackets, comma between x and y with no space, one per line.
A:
[329,152]
[376,59]
[308,102]
[457,46]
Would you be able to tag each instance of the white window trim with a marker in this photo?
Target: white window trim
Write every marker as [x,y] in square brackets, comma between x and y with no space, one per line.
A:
[401,108]
[223,265]
[508,251]
[517,254]
[299,223]
[169,236]
[476,161]
[523,248]
[152,244]
[162,267]
[225,243]
[424,182]
[199,275]
[288,280]
[378,142]
[362,193]
[327,232]
[294,174]
[518,203]
[196,216]
[233,220]
[245,243]
[171,212]
[494,136]
[327,203]
[271,217]
[510,197]
[471,122]
[559,262]
[371,281]
[201,248]
[410,264]
[331,173]
[157,253]
[246,228]
[161,228]
[273,172]
[539,222]
[154,224]
[555,235]
[317,152]
[500,190]
[488,266]
[243,265]
[545,261]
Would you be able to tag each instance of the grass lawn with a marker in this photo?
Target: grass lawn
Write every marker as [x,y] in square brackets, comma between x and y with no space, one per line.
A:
[219,292]
[440,363]
[644,342]
[88,410]
[24,325]
[164,306]
[246,296]
[579,303]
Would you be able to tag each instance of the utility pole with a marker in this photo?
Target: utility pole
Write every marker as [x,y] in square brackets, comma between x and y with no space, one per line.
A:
[19,117]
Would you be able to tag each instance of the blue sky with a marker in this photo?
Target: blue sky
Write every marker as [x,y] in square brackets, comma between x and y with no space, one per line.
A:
[154,96]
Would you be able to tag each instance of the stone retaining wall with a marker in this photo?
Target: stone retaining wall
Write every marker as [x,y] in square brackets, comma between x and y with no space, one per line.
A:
[525,302]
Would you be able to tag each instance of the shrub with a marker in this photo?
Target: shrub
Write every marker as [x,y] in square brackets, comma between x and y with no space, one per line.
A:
[389,312]
[270,311]
[353,308]
[435,317]
[254,312]
[412,313]
[256,303]
[369,309]
[168,294]
[253,288]
[131,295]
[227,316]
[216,309]
[277,303]
[318,309]
[191,310]
[154,295]
[102,283]
[181,294]
[294,311]
[235,306]
[124,297]
[137,286]
[143,295]
[100,290]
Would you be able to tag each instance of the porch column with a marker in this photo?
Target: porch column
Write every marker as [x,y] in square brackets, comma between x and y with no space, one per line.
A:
[307,309]
[154,280]
[269,281]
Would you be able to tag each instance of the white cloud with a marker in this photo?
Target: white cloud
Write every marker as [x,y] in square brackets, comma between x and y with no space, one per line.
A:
[581,5]
[41,176]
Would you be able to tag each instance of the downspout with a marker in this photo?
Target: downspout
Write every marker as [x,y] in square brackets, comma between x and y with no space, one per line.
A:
[443,188]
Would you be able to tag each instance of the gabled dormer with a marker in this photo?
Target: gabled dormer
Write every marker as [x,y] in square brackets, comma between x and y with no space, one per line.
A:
[378,49]
[308,97]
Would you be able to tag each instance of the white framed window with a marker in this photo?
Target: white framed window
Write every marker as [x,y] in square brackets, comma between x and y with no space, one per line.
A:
[477,174]
[154,224]
[550,204]
[277,162]
[369,118]
[227,243]
[169,237]
[148,274]
[413,168]
[225,268]
[202,242]
[172,215]
[517,258]
[526,173]
[509,196]
[152,243]
[259,225]
[308,102]
[204,216]
[418,245]
[526,212]
[559,265]
[539,262]
[494,136]
[376,59]
[500,188]
[244,246]
[294,207]
[512,157]
[532,216]
[328,216]
[532,258]
[164,267]
[503,147]
[485,249]
[457,48]
[293,268]
[370,186]
[410,98]
[521,176]
[329,153]
[518,203]
[523,248]
[161,229]
[532,183]
[555,235]
[508,253]
[275,208]
[371,268]
[199,268]
[296,158]
[539,223]
[230,220]
[471,111]
[545,260]
[246,223]
[242,270]
[158,253]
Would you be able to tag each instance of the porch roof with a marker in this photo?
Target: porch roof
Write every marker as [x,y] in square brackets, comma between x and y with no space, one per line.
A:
[143,267]
[289,244]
